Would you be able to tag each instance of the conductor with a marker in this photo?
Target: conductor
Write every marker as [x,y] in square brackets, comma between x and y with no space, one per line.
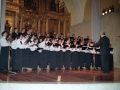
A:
[104,52]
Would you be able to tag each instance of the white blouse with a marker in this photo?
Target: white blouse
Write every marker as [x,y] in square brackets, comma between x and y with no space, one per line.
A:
[4,42]
[19,44]
[14,44]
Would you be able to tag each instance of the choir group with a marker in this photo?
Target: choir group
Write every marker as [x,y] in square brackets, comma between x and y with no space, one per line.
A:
[30,50]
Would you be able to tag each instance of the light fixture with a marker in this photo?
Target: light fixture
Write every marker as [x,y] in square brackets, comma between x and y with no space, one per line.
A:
[108,10]
[112,8]
[103,12]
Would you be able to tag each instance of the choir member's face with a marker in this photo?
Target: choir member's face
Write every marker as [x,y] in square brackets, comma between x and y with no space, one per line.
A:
[36,41]
[23,30]
[59,42]
[21,37]
[40,40]
[5,34]
[31,30]
[45,39]
[48,39]
[73,35]
[75,43]
[68,35]
[33,37]
[88,36]
[61,35]
[27,36]
[78,37]
[48,35]
[68,41]
[62,41]
[54,32]
[38,34]
[16,30]
[101,35]
[53,41]
[57,36]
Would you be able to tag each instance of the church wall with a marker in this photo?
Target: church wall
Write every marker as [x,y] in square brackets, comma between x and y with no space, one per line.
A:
[103,5]
[109,24]
[82,29]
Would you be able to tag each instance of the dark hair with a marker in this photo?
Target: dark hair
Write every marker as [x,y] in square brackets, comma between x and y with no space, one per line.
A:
[3,32]
[103,33]
[20,34]
[15,29]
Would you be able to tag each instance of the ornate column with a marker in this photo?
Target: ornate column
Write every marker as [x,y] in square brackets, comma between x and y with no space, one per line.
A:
[16,20]
[59,28]
[64,29]
[21,23]
[43,27]
[39,22]
[47,24]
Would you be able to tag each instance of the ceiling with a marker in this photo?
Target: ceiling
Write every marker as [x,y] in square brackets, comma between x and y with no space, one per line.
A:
[76,8]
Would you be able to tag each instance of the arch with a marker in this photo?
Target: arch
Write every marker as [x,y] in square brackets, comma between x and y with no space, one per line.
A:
[79,11]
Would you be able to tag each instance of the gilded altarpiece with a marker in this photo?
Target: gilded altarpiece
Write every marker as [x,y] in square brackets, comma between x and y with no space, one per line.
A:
[43,15]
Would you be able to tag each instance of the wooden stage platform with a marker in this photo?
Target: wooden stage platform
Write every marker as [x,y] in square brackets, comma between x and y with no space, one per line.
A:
[83,76]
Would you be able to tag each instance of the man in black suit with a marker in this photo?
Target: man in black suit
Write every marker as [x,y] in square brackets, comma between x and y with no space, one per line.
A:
[104,52]
[15,33]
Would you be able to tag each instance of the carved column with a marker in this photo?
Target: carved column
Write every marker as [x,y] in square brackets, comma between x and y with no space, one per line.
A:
[16,20]
[43,27]
[39,23]
[64,29]
[59,28]
[47,24]
[21,23]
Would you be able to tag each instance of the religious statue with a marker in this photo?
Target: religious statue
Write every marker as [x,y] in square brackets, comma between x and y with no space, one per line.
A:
[7,27]
[28,25]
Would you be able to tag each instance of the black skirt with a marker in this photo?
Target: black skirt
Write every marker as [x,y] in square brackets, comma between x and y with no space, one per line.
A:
[67,59]
[111,61]
[25,59]
[12,61]
[18,59]
[97,60]
[75,59]
[88,60]
[81,59]
[43,59]
[59,59]
[33,59]
[52,59]
[4,57]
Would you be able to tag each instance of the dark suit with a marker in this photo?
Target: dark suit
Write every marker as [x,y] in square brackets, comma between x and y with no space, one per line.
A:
[14,35]
[105,53]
